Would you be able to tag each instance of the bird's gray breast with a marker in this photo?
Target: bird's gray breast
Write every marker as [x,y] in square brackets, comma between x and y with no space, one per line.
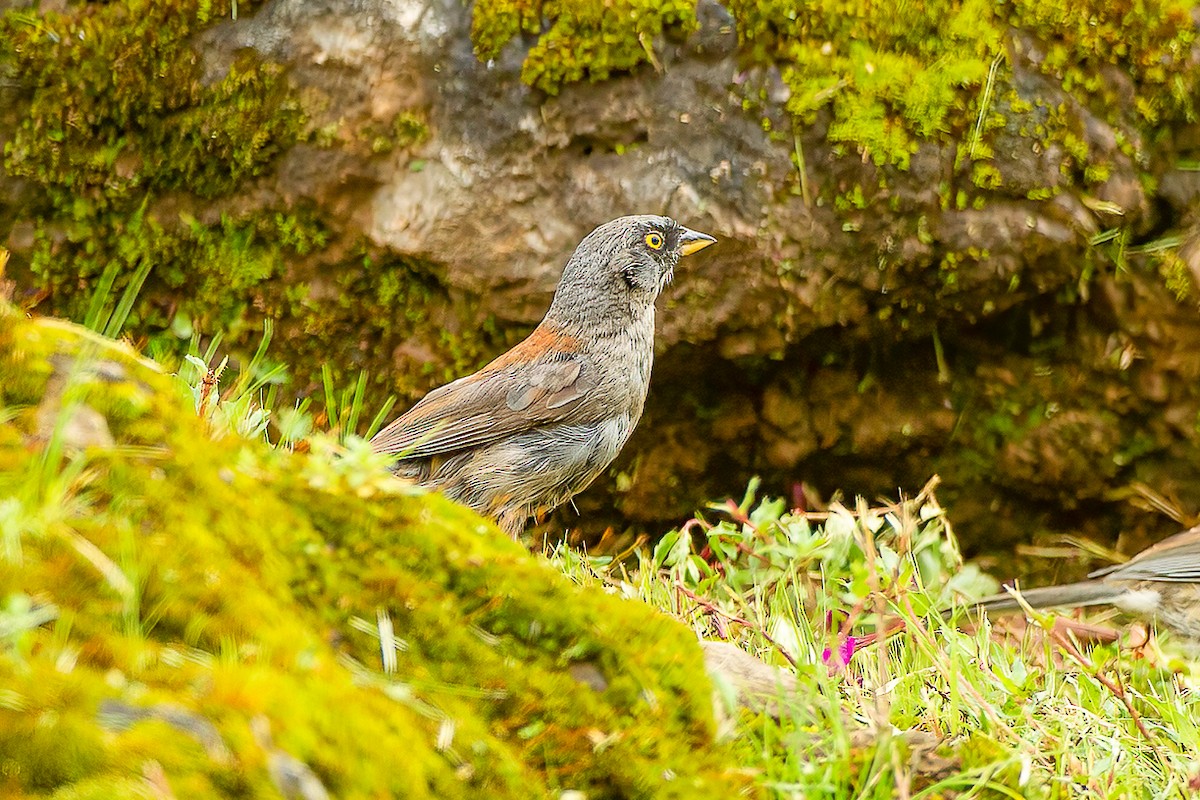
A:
[624,359]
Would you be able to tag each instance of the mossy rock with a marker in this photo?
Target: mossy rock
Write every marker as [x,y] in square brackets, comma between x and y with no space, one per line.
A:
[123,144]
[892,78]
[202,616]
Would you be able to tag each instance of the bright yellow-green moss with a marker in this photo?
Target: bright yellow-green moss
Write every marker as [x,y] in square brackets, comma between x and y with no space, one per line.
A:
[892,78]
[115,103]
[1175,273]
[580,40]
[893,75]
[111,112]
[1150,40]
[195,585]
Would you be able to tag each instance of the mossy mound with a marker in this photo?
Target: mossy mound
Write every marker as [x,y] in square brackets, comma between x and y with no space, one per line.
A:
[204,617]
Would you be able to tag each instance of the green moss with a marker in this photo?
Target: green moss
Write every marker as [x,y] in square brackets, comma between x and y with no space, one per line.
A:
[892,76]
[1150,41]
[114,106]
[986,176]
[1097,173]
[406,130]
[112,114]
[897,77]
[258,578]
[578,40]
[853,199]
[891,79]
[132,152]
[377,305]
[1175,274]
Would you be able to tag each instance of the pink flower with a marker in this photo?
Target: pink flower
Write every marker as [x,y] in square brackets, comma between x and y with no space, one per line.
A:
[837,659]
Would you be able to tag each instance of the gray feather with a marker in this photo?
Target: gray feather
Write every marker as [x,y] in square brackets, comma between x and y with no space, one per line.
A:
[1072,595]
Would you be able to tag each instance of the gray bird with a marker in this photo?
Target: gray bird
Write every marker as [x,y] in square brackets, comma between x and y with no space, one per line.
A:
[1160,583]
[533,428]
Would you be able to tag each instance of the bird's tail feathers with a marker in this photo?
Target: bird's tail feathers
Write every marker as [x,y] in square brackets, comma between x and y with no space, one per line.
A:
[1070,595]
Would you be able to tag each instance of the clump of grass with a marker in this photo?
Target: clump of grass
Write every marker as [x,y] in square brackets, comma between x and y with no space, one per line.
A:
[893,698]
[245,400]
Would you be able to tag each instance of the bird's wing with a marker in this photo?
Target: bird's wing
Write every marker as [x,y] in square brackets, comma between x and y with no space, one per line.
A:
[500,400]
[1176,558]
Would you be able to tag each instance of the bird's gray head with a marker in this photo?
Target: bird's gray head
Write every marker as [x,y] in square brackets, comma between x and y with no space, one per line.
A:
[625,264]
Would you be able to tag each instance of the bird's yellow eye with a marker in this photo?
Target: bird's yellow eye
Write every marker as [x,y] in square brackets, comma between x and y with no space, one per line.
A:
[654,241]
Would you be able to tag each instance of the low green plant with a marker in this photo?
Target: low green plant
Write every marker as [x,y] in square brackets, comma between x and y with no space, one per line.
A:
[901,691]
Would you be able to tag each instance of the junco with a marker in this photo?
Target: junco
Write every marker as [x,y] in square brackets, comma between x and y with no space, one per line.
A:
[1161,583]
[534,427]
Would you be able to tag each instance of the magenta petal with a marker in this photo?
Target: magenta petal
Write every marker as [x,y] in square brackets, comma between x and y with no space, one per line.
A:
[844,652]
